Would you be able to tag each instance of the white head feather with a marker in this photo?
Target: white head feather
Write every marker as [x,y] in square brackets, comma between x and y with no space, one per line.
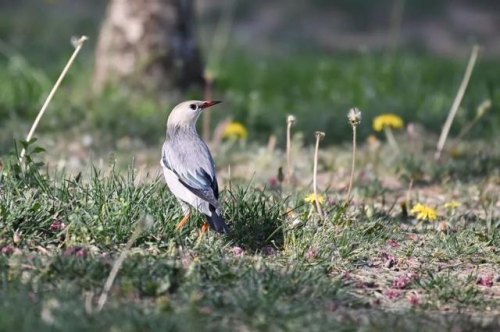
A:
[186,113]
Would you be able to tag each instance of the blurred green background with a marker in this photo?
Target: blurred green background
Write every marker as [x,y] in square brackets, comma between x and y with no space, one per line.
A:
[314,59]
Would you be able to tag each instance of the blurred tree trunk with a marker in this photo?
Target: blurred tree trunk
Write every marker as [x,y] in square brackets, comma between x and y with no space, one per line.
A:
[150,43]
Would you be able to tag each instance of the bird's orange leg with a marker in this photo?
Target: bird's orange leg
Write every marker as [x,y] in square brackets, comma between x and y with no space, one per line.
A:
[183,221]
[204,227]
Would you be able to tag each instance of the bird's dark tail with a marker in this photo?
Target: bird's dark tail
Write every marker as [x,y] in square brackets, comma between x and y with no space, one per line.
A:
[216,221]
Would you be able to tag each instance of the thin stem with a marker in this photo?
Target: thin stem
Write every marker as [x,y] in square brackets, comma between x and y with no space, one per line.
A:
[78,47]
[390,138]
[351,180]
[408,193]
[289,167]
[456,102]
[229,176]
[141,226]
[315,173]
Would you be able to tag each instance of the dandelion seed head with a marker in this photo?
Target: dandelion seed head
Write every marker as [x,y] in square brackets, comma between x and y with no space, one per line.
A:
[354,116]
[319,134]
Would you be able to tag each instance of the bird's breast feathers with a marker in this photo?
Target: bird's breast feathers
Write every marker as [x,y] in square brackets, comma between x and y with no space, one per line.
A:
[190,160]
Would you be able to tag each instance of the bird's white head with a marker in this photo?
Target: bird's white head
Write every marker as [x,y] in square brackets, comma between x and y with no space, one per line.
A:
[186,113]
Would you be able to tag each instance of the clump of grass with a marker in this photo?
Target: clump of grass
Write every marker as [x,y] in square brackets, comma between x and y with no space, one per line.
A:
[257,219]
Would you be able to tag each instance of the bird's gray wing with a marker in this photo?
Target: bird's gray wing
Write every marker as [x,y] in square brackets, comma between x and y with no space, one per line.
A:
[194,167]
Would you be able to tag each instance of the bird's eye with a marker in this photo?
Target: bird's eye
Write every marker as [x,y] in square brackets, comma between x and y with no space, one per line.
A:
[192,106]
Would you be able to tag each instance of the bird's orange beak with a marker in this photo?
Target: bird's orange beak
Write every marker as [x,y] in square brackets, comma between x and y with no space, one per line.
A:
[207,104]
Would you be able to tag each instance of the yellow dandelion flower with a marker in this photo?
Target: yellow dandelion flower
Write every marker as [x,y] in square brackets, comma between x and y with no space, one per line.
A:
[387,120]
[235,130]
[452,205]
[311,198]
[424,212]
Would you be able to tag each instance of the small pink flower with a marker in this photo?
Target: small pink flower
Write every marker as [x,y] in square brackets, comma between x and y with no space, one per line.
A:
[392,294]
[485,280]
[76,251]
[57,226]
[402,281]
[81,253]
[273,183]
[389,260]
[393,243]
[311,254]
[237,251]
[8,250]
[414,298]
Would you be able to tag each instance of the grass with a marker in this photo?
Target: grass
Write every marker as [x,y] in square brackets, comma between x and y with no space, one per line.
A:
[367,266]
[260,94]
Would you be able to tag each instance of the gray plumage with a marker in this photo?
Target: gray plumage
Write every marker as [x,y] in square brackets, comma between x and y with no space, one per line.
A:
[188,166]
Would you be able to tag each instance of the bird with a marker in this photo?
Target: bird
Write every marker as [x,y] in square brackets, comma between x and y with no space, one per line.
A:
[189,168]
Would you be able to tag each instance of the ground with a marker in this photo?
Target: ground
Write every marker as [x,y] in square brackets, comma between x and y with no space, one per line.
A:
[368,263]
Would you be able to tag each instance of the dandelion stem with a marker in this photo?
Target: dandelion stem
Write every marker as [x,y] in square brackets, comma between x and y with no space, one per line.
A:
[354,117]
[318,135]
[78,47]
[289,167]
[348,199]
[408,193]
[390,138]
[456,102]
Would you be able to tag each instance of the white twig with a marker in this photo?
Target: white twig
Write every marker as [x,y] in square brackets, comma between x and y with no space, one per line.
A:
[456,102]
[290,121]
[351,179]
[145,223]
[318,135]
[78,45]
